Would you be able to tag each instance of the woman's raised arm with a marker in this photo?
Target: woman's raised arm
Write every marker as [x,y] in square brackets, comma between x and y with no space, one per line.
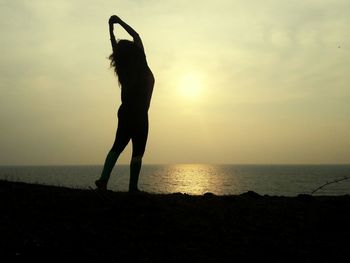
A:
[111,35]
[116,20]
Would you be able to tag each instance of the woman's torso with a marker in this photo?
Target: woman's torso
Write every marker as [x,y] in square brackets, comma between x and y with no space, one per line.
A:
[137,92]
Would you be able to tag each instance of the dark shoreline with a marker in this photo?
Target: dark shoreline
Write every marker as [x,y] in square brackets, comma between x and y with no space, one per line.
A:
[50,223]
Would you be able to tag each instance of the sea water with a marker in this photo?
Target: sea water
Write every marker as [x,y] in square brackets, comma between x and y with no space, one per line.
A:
[195,179]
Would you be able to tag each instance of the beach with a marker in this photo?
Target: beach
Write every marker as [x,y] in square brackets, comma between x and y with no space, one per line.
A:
[52,223]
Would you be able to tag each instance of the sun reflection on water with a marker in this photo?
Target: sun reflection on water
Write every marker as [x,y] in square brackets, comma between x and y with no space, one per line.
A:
[193,179]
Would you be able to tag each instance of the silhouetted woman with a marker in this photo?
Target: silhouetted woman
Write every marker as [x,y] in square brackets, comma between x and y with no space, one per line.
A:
[136,81]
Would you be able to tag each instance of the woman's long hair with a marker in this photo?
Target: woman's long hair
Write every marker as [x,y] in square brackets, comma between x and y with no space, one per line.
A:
[128,60]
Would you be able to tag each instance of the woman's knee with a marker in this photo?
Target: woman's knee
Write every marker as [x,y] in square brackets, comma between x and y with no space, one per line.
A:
[138,148]
[119,145]
[137,158]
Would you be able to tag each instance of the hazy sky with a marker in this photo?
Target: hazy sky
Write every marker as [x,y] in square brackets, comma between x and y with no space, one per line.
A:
[237,81]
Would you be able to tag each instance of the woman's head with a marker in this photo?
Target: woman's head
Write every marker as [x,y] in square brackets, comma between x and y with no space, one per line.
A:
[127,59]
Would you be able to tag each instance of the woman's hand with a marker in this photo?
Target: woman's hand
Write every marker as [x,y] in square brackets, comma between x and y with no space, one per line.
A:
[114,20]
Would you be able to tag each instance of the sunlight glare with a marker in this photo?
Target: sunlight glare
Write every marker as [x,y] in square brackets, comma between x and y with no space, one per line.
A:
[190,85]
[195,179]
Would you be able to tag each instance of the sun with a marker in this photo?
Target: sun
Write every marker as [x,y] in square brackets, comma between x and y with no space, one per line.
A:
[190,85]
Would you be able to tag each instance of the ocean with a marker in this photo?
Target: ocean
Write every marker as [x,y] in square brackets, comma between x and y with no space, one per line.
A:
[195,179]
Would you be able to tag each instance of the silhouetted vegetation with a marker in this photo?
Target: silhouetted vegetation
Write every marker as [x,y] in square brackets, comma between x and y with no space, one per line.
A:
[331,182]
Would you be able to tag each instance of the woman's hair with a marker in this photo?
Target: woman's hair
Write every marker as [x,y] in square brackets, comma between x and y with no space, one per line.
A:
[127,59]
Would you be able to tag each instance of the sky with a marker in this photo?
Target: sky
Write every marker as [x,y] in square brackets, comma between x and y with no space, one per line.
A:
[237,81]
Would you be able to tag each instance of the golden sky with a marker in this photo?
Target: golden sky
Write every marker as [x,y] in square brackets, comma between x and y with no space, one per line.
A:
[244,81]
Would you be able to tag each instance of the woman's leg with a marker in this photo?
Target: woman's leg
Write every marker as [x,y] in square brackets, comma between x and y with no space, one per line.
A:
[139,140]
[135,168]
[122,139]
[110,161]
